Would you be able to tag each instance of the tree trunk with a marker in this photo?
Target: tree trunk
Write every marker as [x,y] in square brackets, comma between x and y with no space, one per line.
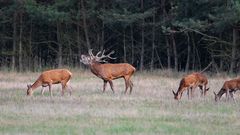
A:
[20,60]
[143,42]
[78,46]
[103,33]
[174,53]
[234,50]
[221,59]
[85,27]
[194,52]
[13,64]
[124,47]
[153,44]
[59,45]
[30,58]
[132,45]
[188,53]
[168,53]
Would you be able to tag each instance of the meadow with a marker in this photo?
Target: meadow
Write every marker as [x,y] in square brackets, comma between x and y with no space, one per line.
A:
[150,109]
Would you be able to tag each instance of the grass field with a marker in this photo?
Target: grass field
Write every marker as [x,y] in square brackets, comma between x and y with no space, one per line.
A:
[150,109]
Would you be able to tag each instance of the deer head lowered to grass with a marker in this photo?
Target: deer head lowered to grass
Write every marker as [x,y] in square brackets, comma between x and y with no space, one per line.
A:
[47,78]
[108,72]
[192,81]
[228,88]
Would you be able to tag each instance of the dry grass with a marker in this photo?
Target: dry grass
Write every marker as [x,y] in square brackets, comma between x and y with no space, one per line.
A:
[150,109]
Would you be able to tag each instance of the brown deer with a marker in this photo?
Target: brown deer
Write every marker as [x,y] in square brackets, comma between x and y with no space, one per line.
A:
[228,88]
[190,82]
[47,78]
[108,72]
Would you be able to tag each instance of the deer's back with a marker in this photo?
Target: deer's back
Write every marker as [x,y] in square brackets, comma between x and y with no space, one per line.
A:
[232,84]
[113,71]
[55,75]
[202,79]
[189,80]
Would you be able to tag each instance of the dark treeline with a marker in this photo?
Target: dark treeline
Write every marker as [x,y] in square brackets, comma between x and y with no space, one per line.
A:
[150,34]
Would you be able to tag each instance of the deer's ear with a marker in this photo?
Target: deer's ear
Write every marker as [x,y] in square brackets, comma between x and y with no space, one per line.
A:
[207,89]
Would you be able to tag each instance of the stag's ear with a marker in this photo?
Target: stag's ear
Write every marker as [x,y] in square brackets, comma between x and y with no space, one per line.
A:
[207,89]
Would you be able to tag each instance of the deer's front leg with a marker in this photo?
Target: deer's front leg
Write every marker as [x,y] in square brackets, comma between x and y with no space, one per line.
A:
[111,84]
[104,85]
[227,94]
[42,91]
[50,89]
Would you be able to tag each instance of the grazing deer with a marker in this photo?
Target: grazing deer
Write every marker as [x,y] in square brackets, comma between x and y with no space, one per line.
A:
[228,87]
[108,72]
[190,82]
[47,78]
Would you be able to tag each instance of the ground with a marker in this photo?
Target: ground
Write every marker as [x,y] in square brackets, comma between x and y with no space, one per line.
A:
[150,109]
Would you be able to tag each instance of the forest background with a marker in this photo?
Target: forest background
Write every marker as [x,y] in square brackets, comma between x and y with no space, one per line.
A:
[149,34]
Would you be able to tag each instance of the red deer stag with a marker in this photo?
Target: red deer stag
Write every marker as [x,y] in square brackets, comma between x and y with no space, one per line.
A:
[47,78]
[190,82]
[108,72]
[228,87]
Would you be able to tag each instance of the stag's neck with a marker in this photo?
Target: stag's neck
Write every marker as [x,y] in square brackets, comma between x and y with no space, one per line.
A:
[96,68]
[36,84]
[180,89]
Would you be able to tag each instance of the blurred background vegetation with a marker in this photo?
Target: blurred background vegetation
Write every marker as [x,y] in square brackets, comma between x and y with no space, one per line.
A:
[149,34]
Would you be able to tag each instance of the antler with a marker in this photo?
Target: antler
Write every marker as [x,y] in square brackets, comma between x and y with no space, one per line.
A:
[100,55]
[99,58]
[90,53]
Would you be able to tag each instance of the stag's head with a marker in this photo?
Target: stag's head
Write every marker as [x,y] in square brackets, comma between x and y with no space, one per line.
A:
[99,57]
[177,96]
[29,90]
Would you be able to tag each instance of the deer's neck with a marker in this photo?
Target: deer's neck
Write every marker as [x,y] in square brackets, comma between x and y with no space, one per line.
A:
[36,84]
[96,69]
[180,89]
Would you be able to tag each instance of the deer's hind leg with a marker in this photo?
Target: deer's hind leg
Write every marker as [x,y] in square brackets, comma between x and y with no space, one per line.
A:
[127,84]
[201,87]
[42,91]
[104,85]
[111,84]
[50,89]
[131,86]
[227,94]
[231,94]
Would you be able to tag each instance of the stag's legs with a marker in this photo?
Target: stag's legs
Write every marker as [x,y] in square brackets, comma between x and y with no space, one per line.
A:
[69,89]
[191,92]
[126,86]
[111,84]
[227,94]
[202,89]
[131,86]
[231,94]
[128,83]
[63,89]
[104,85]
[42,91]
[50,89]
